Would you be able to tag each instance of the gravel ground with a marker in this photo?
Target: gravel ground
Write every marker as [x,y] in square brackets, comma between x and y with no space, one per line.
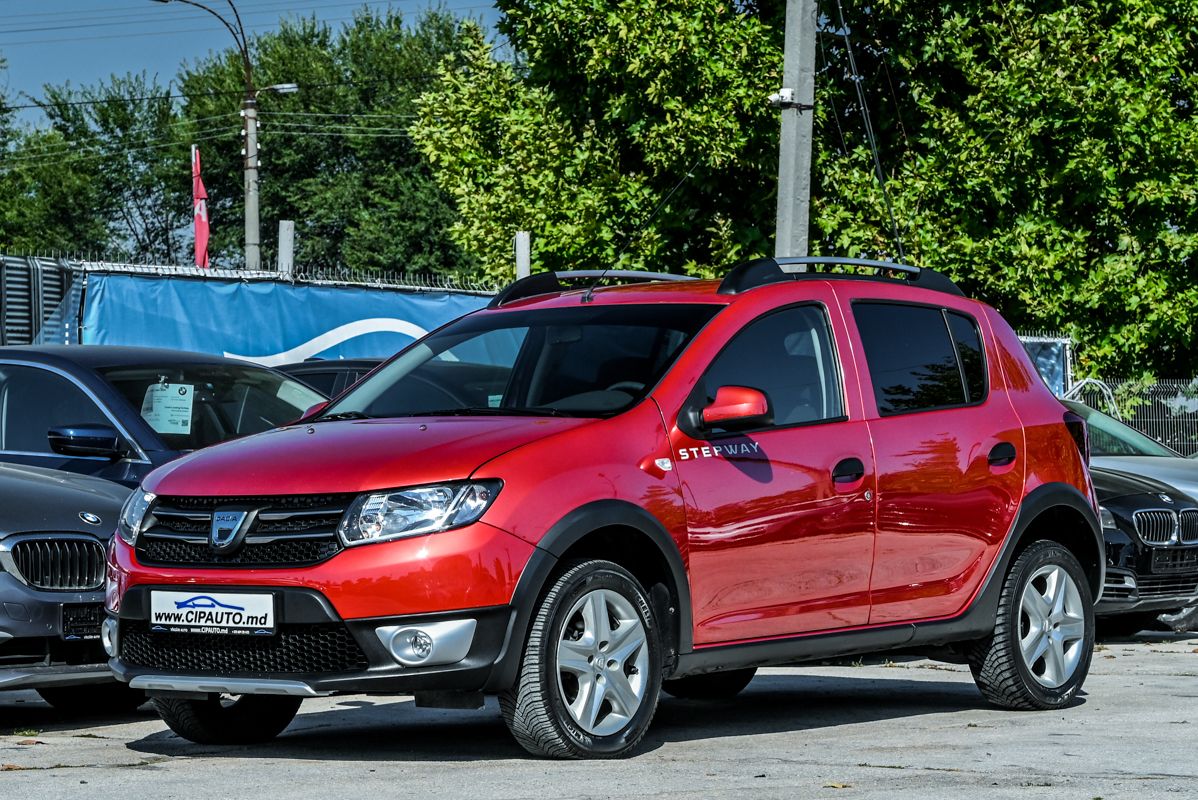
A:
[879,730]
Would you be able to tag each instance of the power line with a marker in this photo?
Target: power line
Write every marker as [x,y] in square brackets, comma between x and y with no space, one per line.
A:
[869,131]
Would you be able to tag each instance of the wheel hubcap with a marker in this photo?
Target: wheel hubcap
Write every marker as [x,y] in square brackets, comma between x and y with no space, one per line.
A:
[1052,626]
[602,662]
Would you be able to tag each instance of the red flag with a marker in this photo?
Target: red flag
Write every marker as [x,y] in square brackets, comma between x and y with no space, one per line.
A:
[200,206]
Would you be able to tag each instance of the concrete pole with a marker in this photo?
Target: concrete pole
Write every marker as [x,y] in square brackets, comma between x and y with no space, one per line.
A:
[286,247]
[523,254]
[797,101]
[253,250]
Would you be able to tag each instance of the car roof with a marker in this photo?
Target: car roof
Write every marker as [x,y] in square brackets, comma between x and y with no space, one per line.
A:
[100,356]
[329,365]
[707,292]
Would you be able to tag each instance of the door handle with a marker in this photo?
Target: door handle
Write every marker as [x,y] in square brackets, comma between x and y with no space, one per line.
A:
[1001,454]
[848,470]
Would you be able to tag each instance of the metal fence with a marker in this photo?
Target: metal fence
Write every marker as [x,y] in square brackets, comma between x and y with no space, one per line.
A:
[1167,410]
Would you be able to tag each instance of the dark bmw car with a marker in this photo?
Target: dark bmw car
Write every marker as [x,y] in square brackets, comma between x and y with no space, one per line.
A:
[1151,533]
[54,528]
[118,412]
[331,376]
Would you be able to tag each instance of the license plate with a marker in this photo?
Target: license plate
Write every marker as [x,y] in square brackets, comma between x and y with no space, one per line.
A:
[1171,560]
[82,623]
[212,612]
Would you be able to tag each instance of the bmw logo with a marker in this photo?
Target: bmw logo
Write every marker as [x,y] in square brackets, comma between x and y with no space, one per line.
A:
[89,518]
[1165,497]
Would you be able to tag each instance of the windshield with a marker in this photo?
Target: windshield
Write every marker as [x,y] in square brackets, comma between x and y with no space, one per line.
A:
[198,405]
[1110,437]
[582,361]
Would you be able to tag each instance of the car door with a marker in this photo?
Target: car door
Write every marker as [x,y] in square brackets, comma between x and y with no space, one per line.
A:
[34,399]
[949,452]
[777,544]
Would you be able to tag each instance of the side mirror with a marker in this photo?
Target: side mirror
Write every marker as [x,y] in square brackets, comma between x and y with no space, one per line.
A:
[738,408]
[312,412]
[86,440]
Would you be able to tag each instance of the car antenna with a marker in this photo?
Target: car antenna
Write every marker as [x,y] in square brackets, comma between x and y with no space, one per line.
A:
[690,173]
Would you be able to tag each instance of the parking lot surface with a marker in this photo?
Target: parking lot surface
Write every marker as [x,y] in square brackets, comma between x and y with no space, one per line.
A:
[874,730]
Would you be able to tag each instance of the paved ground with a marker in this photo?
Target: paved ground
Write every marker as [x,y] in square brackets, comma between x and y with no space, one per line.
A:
[913,729]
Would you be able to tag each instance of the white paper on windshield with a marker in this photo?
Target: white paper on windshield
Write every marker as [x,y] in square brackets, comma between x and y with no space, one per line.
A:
[297,396]
[167,407]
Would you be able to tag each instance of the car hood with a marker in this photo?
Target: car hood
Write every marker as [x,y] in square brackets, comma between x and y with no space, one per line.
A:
[36,499]
[1180,473]
[1115,484]
[351,455]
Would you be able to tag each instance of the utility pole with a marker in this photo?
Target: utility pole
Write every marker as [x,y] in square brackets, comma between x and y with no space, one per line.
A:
[796,99]
[253,245]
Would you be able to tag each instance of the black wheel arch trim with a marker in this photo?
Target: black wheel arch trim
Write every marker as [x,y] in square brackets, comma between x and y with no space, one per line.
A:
[567,532]
[973,623]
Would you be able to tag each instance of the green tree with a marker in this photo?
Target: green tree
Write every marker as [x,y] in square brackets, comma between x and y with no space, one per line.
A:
[336,156]
[635,134]
[1043,154]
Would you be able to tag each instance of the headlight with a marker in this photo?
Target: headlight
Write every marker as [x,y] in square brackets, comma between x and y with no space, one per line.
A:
[133,516]
[1106,518]
[415,511]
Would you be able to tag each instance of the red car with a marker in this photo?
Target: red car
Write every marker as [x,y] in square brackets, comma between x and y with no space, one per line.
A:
[576,498]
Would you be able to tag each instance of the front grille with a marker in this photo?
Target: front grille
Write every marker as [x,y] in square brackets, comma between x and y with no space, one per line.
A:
[1156,526]
[298,552]
[289,530]
[293,649]
[1188,529]
[1169,586]
[60,564]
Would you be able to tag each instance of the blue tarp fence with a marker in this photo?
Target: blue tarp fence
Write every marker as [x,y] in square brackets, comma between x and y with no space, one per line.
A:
[269,322]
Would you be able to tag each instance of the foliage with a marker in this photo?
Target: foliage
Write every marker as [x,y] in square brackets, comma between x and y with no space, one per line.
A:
[336,156]
[1043,154]
[638,135]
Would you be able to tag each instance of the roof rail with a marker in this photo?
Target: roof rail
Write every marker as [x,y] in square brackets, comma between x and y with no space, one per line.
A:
[758,272]
[549,282]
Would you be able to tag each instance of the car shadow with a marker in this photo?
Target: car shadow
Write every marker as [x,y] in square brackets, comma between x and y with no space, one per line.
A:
[386,729]
[25,711]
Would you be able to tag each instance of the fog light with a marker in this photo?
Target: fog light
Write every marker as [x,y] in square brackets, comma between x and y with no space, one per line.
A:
[428,644]
[108,636]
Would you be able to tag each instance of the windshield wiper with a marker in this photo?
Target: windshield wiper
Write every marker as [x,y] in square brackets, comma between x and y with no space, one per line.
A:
[343,415]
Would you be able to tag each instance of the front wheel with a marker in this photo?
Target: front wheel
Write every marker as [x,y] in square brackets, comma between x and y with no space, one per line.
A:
[219,719]
[1043,640]
[591,671]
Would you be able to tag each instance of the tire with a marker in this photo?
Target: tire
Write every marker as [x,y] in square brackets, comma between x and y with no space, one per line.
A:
[94,698]
[1005,675]
[710,686]
[547,710]
[247,719]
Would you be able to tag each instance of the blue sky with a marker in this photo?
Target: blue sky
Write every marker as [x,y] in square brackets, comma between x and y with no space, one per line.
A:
[82,41]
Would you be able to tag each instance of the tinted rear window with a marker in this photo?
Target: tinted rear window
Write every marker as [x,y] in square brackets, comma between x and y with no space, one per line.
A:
[912,356]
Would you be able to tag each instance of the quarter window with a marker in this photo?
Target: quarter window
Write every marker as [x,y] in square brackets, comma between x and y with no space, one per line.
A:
[920,358]
[788,356]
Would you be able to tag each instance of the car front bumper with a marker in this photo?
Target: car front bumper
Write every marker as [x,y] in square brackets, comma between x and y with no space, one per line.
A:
[41,644]
[1126,591]
[314,652]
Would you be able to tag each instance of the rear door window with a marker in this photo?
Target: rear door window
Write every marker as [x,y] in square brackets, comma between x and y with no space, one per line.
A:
[920,358]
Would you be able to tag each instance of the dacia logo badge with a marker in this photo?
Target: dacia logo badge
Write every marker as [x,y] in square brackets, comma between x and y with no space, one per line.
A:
[229,527]
[1165,497]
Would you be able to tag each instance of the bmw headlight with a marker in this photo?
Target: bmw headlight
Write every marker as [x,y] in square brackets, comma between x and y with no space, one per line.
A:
[133,516]
[415,511]
[1106,518]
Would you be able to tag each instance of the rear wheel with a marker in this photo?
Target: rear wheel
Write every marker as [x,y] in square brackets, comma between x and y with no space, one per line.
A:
[711,686]
[1043,640]
[221,719]
[591,671]
[94,698]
